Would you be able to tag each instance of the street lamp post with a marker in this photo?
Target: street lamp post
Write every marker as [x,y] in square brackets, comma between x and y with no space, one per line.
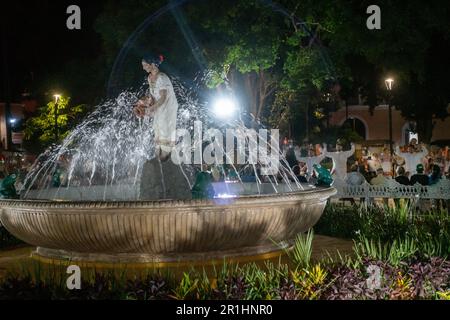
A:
[389,85]
[57,97]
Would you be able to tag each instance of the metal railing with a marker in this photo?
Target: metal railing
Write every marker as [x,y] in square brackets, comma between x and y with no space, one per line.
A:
[393,189]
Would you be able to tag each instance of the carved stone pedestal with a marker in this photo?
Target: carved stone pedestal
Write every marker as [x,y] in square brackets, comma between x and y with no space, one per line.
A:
[164,180]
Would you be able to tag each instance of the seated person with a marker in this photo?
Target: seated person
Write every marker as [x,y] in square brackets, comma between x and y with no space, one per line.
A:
[401,177]
[435,175]
[379,179]
[430,164]
[374,163]
[419,177]
[354,178]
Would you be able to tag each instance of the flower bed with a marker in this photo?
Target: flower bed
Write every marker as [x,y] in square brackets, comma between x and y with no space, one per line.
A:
[414,280]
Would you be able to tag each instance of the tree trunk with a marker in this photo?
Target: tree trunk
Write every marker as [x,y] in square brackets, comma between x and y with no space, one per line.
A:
[267,88]
[251,86]
[259,87]
[307,120]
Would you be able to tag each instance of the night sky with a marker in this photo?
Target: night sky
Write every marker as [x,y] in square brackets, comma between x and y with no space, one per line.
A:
[38,41]
[37,45]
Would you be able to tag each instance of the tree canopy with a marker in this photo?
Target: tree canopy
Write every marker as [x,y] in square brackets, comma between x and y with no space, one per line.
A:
[289,62]
[52,118]
[411,47]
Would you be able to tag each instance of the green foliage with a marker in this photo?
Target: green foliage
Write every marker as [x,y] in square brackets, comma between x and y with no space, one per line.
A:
[205,286]
[310,282]
[244,44]
[42,126]
[411,47]
[429,248]
[339,221]
[406,280]
[393,226]
[331,134]
[263,282]
[186,287]
[301,252]
[250,33]
[340,260]
[255,278]
[286,110]
[305,68]
[394,253]
[443,295]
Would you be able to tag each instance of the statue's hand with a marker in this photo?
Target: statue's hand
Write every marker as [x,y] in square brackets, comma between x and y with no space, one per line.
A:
[139,110]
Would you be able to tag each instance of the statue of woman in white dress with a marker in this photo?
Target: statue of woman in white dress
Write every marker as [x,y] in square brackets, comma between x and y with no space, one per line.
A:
[340,160]
[311,160]
[162,105]
[412,158]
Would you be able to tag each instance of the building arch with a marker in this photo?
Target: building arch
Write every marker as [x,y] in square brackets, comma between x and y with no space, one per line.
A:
[360,125]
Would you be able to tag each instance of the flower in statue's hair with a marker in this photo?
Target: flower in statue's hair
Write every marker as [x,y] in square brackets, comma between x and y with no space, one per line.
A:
[155,59]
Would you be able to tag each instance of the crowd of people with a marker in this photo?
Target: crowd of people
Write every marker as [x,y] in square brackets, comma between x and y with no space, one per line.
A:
[410,164]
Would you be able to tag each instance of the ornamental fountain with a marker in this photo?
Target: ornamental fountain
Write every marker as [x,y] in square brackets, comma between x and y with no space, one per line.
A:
[102,195]
[110,203]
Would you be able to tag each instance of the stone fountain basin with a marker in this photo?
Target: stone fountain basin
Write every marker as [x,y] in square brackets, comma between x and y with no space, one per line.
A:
[163,231]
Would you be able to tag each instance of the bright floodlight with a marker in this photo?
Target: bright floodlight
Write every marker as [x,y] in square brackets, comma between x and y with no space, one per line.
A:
[57,97]
[224,107]
[12,120]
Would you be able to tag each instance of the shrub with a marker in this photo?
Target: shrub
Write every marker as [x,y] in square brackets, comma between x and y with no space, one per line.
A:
[7,239]
[431,230]
[408,280]
[301,252]
[310,282]
[396,252]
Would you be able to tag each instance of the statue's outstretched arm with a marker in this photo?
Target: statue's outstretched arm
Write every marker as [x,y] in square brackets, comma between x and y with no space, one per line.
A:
[424,152]
[397,150]
[350,152]
[320,157]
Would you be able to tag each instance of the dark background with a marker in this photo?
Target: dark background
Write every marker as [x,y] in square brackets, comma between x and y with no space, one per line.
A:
[37,43]
[39,56]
